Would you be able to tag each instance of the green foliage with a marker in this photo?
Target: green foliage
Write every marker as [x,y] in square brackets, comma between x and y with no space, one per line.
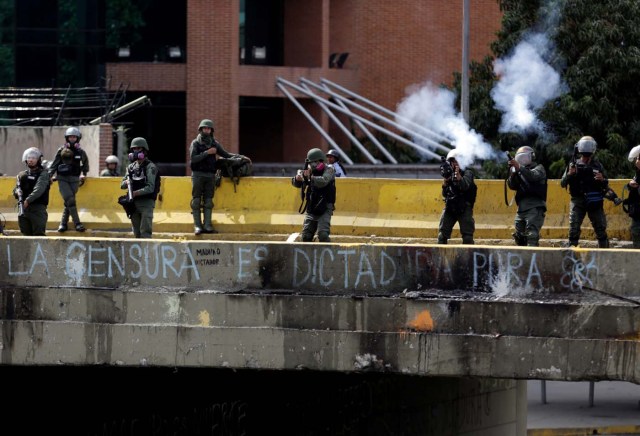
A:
[124,18]
[7,66]
[598,56]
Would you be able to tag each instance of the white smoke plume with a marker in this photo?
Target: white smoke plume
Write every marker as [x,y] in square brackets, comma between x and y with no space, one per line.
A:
[525,83]
[434,109]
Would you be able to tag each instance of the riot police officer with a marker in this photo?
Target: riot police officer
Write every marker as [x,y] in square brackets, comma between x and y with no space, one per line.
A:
[70,167]
[142,177]
[529,180]
[32,188]
[632,204]
[587,182]
[459,192]
[318,184]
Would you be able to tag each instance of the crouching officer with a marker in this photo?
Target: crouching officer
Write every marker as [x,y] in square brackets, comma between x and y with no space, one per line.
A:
[142,178]
[318,190]
[33,189]
[529,180]
[459,192]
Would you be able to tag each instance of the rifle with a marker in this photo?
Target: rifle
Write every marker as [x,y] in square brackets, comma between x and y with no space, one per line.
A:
[19,196]
[303,188]
[126,201]
[129,189]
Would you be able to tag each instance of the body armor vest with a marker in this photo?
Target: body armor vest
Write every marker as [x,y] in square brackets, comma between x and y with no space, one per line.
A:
[28,180]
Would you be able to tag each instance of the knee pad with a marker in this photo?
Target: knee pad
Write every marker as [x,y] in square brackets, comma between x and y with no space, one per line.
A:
[70,202]
[521,240]
[195,204]
[208,203]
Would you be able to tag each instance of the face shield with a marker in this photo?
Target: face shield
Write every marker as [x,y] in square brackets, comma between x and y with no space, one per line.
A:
[524,158]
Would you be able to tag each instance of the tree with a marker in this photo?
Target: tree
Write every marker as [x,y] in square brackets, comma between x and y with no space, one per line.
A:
[598,56]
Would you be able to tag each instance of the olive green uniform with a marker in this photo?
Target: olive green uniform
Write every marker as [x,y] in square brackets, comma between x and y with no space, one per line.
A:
[324,183]
[34,220]
[144,185]
[108,173]
[69,181]
[459,199]
[579,185]
[530,184]
[203,179]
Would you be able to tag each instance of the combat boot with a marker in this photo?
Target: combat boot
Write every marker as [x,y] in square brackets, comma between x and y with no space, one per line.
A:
[64,221]
[197,221]
[208,227]
[603,243]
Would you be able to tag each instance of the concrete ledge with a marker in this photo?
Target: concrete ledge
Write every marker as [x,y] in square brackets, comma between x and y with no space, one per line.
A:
[381,207]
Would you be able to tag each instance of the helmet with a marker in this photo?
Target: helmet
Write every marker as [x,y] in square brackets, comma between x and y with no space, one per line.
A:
[206,123]
[139,142]
[634,153]
[586,145]
[31,152]
[112,160]
[315,154]
[525,155]
[453,154]
[72,131]
[334,153]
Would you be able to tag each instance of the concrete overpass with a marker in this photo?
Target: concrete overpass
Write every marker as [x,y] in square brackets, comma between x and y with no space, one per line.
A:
[187,336]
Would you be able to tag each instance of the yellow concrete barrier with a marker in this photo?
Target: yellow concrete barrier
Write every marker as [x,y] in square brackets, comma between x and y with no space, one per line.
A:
[383,207]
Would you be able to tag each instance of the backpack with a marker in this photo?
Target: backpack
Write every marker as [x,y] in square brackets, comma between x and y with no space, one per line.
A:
[233,168]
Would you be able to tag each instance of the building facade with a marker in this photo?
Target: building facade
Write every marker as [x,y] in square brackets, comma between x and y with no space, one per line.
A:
[235,50]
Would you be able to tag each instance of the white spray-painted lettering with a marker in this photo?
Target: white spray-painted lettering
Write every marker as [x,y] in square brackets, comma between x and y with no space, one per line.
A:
[317,267]
[246,257]
[577,274]
[38,259]
[91,261]
[487,268]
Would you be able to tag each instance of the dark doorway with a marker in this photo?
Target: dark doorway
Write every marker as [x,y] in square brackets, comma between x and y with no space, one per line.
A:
[261,128]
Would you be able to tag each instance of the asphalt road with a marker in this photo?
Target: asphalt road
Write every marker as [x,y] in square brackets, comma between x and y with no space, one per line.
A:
[615,404]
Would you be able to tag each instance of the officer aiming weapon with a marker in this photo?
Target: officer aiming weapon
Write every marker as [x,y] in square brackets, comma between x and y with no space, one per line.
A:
[446,170]
[18,192]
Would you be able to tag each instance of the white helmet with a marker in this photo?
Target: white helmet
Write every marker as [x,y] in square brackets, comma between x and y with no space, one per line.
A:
[525,155]
[112,160]
[634,153]
[587,145]
[31,152]
[453,154]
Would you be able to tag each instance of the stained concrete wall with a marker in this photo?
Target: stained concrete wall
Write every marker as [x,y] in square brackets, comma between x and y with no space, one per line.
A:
[14,140]
[428,310]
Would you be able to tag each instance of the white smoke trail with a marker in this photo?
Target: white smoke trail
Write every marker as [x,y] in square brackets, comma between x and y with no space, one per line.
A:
[434,109]
[525,83]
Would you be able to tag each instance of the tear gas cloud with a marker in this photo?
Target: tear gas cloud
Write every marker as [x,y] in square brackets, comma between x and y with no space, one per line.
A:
[525,83]
[434,109]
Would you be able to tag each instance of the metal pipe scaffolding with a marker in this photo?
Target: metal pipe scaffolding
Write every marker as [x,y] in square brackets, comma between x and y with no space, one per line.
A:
[334,106]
